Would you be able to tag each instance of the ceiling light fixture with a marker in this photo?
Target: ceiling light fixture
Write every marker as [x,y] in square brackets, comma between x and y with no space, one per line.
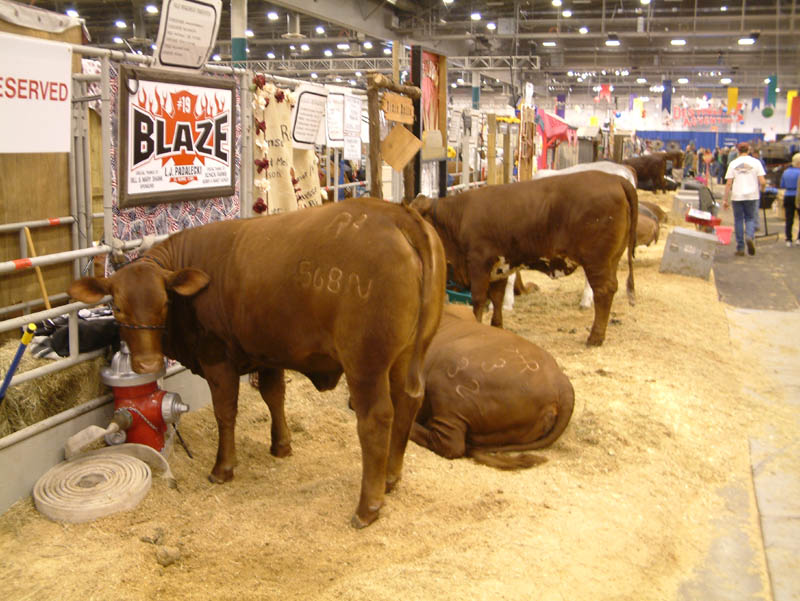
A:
[725,81]
[117,40]
[476,16]
[645,2]
[549,44]
[270,55]
[641,80]
[683,80]
[612,40]
[249,33]
[556,3]
[314,76]
[320,29]
[723,8]
[447,1]
[566,13]
[454,85]
[387,50]
[216,58]
[491,26]
[304,47]
[583,30]
[678,42]
[367,45]
[120,24]
[343,46]
[71,12]
[151,9]
[358,73]
[328,52]
[748,40]
[272,15]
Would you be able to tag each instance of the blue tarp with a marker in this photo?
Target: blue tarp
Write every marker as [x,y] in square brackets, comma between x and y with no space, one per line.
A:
[701,139]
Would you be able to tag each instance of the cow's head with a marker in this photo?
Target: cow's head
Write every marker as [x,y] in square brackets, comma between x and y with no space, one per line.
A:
[437,216]
[140,302]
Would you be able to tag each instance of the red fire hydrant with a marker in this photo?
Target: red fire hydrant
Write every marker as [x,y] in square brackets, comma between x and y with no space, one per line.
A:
[141,409]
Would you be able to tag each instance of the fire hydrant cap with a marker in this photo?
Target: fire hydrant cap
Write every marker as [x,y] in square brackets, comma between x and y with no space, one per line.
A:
[120,373]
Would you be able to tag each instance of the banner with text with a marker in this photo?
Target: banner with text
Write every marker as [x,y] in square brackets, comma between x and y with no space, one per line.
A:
[35,95]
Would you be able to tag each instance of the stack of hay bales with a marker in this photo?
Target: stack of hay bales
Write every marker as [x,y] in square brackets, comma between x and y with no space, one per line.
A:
[38,399]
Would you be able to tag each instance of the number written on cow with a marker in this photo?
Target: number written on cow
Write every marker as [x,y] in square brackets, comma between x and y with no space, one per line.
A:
[332,280]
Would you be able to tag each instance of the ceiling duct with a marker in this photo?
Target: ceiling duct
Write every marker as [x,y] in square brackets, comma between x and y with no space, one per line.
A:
[293,24]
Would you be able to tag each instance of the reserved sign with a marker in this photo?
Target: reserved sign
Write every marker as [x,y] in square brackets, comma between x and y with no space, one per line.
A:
[397,107]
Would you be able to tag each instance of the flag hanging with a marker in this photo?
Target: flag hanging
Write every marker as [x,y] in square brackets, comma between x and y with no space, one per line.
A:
[733,98]
[771,94]
[790,95]
[666,96]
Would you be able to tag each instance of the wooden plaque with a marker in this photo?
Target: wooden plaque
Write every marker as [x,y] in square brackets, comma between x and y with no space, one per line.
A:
[399,147]
[397,107]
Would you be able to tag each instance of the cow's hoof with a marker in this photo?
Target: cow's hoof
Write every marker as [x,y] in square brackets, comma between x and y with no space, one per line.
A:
[594,341]
[225,476]
[359,522]
[281,450]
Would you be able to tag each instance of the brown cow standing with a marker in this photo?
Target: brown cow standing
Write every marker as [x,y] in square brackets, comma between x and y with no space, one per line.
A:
[489,390]
[551,225]
[354,287]
[654,166]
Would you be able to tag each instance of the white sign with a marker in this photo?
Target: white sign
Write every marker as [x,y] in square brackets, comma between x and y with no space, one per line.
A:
[178,138]
[35,95]
[352,116]
[352,148]
[334,117]
[187,33]
[309,109]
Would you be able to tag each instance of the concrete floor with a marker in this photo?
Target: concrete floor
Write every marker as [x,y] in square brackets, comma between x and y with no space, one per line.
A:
[762,294]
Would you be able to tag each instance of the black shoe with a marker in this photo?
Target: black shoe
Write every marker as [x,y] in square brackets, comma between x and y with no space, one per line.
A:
[751,246]
[739,253]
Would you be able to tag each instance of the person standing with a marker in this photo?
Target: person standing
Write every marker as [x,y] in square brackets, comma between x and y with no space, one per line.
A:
[744,182]
[789,186]
[723,165]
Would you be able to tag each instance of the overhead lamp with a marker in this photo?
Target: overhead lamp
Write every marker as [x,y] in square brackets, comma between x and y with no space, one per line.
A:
[641,80]
[678,42]
[358,73]
[71,12]
[120,24]
[304,47]
[151,9]
[216,58]
[367,45]
[556,3]
[491,26]
[476,16]
[454,85]
[328,52]
[352,82]
[683,80]
[549,44]
[272,15]
[460,81]
[612,40]
[583,30]
[387,50]
[566,13]
[723,8]
[766,80]
[270,55]
[249,33]
[117,40]
[645,2]
[343,46]
[748,40]
[314,76]
[320,29]
[447,1]
[725,81]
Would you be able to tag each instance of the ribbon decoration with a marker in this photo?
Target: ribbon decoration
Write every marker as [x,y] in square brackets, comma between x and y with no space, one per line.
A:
[666,96]
[733,98]
[756,104]
[790,95]
[771,91]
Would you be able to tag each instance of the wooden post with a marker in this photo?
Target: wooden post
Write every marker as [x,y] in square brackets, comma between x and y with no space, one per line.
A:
[526,145]
[32,251]
[491,151]
[508,157]
[375,162]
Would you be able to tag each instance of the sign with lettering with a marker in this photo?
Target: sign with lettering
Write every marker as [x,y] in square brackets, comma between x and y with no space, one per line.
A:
[334,116]
[692,118]
[177,137]
[307,114]
[397,107]
[187,32]
[35,95]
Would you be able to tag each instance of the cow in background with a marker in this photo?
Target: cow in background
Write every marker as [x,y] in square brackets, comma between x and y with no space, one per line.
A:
[489,390]
[551,225]
[354,287]
[654,166]
[629,173]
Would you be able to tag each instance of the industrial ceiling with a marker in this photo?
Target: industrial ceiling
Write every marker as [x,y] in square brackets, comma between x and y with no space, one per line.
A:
[555,44]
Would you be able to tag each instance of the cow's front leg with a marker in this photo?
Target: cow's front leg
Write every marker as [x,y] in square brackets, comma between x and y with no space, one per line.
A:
[372,404]
[272,387]
[224,384]
[479,288]
[497,290]
[604,287]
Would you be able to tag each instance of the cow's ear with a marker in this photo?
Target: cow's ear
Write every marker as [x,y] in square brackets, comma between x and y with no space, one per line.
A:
[422,204]
[187,281]
[89,289]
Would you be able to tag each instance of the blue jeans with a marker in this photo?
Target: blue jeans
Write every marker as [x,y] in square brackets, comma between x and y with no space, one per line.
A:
[744,220]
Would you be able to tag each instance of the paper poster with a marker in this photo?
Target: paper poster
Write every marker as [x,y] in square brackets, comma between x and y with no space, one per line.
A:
[334,117]
[352,148]
[352,116]
[309,110]
[187,32]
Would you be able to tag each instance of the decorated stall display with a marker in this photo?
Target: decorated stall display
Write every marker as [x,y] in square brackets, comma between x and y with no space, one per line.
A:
[553,131]
[285,177]
[177,141]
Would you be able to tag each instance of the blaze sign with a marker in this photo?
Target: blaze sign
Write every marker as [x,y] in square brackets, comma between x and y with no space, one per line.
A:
[177,137]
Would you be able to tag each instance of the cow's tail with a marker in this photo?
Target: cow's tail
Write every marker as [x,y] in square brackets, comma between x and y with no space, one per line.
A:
[633,207]
[428,246]
[491,456]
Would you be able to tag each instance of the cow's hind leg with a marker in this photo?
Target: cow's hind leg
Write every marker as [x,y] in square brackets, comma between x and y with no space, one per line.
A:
[604,286]
[444,437]
[406,407]
[497,291]
[372,404]
[273,390]
[479,288]
[224,384]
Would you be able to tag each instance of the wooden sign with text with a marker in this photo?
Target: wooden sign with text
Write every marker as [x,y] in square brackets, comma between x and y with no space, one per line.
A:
[397,107]
[399,147]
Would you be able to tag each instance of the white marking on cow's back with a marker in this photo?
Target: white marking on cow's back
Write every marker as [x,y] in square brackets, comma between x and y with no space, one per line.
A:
[459,388]
[528,365]
[496,365]
[463,364]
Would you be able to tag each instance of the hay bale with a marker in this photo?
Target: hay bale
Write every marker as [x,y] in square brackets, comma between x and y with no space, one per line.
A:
[35,400]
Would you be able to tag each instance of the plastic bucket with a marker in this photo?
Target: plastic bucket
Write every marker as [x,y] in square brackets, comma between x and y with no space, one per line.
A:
[723,233]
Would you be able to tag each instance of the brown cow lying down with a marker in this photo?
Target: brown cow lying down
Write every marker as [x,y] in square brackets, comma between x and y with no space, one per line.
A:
[489,390]
[299,291]
[661,215]
[552,225]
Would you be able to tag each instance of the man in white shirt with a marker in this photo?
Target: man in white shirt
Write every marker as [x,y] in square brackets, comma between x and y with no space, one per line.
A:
[744,182]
